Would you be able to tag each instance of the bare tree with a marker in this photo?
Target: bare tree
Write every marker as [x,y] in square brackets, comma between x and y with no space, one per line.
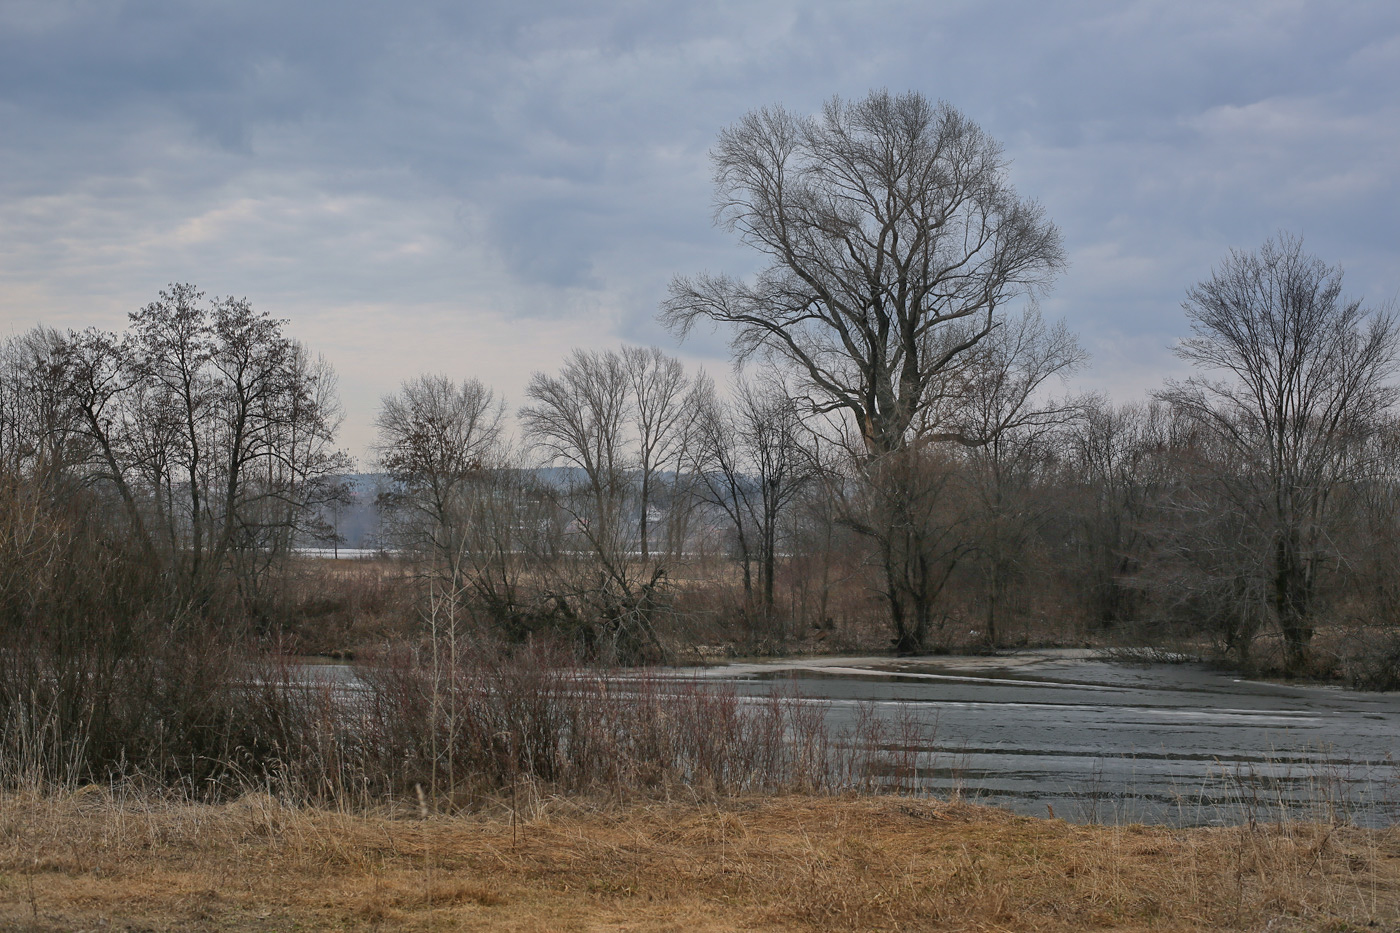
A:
[440,444]
[585,420]
[1001,404]
[658,387]
[896,243]
[1305,379]
[751,466]
[723,482]
[433,437]
[579,421]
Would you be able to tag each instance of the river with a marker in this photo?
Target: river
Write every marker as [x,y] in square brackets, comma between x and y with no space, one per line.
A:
[1091,740]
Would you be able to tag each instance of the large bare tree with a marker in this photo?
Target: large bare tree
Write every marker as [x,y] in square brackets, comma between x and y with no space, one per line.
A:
[896,244]
[1295,381]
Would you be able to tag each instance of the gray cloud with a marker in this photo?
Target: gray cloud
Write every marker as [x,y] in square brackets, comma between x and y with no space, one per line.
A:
[538,174]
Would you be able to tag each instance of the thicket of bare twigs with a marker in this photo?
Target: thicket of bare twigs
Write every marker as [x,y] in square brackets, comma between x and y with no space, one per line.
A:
[122,684]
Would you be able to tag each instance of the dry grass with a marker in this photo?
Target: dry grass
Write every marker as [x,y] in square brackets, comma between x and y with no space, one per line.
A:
[87,861]
[338,608]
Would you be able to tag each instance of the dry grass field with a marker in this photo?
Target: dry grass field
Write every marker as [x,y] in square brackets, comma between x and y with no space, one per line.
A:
[88,861]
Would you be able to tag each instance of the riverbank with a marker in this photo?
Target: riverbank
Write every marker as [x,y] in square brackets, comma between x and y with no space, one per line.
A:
[89,861]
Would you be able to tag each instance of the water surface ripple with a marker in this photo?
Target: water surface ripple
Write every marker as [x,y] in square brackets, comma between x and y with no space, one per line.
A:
[1093,740]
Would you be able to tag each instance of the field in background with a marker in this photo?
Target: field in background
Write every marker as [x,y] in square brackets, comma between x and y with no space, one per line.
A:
[340,608]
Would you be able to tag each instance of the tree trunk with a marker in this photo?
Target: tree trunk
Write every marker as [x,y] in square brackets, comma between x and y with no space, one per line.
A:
[1292,603]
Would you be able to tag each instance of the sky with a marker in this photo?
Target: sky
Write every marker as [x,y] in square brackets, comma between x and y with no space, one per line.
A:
[476,188]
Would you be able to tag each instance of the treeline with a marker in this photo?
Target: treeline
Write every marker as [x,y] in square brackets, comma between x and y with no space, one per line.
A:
[637,510]
[192,450]
[161,480]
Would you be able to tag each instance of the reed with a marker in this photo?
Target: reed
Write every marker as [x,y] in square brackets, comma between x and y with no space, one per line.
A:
[201,720]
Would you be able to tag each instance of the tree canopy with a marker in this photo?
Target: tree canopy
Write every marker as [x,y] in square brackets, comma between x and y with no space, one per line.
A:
[895,243]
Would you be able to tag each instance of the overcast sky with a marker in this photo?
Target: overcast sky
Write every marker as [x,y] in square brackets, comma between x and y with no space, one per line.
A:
[475,187]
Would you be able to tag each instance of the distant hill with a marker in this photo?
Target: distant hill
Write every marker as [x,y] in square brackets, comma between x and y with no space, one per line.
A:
[358,522]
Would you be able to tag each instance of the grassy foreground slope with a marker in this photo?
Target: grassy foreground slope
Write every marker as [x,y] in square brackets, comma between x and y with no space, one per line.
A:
[84,861]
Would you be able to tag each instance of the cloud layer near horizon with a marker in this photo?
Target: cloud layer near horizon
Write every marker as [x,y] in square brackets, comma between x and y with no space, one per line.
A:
[476,188]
